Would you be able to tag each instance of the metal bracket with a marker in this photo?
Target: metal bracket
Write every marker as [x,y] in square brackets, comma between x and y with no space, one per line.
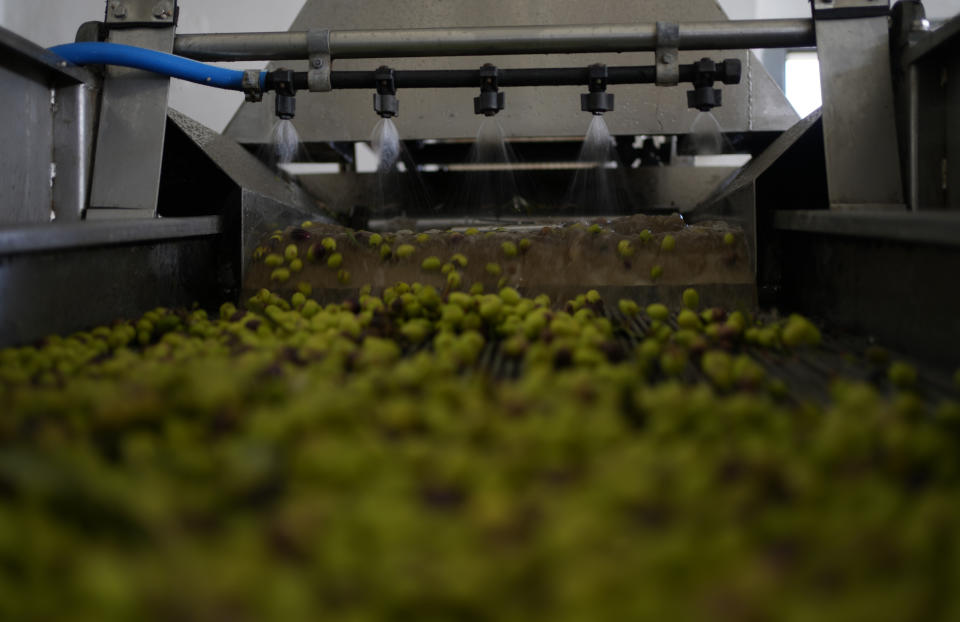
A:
[849,9]
[141,13]
[251,85]
[318,49]
[859,126]
[126,167]
[668,53]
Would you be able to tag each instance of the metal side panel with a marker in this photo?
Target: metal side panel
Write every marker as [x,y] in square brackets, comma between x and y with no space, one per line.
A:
[757,104]
[75,119]
[751,172]
[62,278]
[241,166]
[26,149]
[255,200]
[126,173]
[860,135]
[888,289]
[36,142]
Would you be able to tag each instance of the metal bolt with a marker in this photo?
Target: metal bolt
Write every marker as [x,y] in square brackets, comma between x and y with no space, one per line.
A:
[318,62]
[161,11]
[119,10]
[666,58]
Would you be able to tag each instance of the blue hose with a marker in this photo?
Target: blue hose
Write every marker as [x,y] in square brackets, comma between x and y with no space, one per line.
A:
[151,60]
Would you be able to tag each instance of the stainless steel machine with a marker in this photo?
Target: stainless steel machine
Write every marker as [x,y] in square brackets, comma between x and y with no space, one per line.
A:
[113,203]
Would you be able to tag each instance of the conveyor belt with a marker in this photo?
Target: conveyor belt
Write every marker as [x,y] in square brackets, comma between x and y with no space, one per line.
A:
[807,373]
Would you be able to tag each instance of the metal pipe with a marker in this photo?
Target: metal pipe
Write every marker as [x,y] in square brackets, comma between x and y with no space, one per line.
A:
[247,46]
[418,42]
[469,78]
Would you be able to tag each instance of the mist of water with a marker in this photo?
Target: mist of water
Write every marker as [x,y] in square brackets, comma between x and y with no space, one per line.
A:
[490,185]
[599,185]
[284,145]
[399,188]
[706,134]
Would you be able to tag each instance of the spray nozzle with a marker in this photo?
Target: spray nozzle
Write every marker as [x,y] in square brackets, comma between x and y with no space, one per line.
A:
[597,100]
[282,81]
[491,100]
[704,97]
[385,101]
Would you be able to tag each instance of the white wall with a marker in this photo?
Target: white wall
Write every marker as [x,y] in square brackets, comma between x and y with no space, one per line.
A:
[776,9]
[49,22]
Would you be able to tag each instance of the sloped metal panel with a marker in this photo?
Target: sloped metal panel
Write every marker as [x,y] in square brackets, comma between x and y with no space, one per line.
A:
[757,104]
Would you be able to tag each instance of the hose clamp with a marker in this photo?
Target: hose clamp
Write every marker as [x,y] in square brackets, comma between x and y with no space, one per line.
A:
[251,85]
[318,51]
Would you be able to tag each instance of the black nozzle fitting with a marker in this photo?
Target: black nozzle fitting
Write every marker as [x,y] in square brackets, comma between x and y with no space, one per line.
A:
[385,101]
[704,97]
[597,101]
[282,81]
[286,107]
[491,100]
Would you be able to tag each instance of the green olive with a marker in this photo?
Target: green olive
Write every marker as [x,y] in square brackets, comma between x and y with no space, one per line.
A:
[691,299]
[509,296]
[657,311]
[902,375]
[628,307]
